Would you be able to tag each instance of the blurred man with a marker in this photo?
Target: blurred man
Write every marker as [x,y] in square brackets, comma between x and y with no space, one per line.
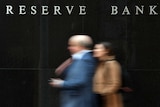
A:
[77,84]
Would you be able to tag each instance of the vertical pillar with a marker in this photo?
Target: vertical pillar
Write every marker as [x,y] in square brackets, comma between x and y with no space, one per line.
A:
[43,73]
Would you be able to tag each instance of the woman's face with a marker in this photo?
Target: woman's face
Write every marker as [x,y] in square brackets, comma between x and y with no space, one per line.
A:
[99,51]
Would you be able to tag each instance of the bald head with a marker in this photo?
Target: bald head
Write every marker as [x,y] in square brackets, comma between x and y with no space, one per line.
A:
[79,42]
[83,40]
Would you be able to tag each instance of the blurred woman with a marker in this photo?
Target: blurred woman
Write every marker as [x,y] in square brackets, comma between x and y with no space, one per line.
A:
[107,78]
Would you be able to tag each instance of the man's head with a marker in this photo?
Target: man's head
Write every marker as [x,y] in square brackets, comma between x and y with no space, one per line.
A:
[78,43]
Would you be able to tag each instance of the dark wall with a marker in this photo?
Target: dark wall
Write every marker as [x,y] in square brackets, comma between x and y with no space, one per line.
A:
[137,40]
[33,46]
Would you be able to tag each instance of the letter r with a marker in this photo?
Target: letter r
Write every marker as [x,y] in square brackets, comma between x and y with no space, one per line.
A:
[9,9]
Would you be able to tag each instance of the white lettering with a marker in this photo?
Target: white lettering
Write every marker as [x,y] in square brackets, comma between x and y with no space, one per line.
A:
[82,10]
[33,10]
[69,10]
[9,9]
[126,11]
[22,9]
[152,11]
[114,10]
[141,10]
[57,10]
[45,10]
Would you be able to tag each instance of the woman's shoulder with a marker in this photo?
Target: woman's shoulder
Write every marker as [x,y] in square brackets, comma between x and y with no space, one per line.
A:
[112,63]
